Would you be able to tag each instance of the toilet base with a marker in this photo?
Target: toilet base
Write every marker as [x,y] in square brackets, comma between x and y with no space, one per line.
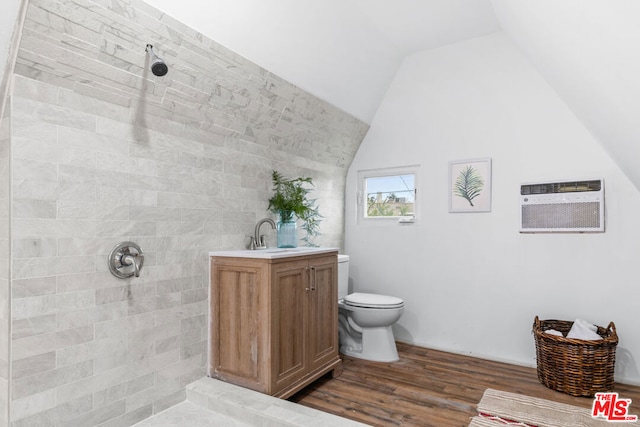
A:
[378,345]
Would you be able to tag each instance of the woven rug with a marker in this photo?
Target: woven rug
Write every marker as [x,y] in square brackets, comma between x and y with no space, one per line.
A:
[500,408]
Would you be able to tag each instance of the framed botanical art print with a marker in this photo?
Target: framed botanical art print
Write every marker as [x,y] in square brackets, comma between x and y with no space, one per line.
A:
[470,185]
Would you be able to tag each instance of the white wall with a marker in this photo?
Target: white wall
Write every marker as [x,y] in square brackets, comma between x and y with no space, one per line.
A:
[587,52]
[473,284]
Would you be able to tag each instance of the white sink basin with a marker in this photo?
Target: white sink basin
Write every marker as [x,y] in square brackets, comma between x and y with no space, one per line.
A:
[271,253]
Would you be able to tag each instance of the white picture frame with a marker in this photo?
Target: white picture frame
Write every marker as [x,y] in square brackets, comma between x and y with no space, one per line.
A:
[470,185]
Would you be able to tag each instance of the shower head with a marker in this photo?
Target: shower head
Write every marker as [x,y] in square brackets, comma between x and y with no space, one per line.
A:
[158,66]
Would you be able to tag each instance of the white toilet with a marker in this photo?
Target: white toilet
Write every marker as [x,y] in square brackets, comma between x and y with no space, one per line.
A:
[365,320]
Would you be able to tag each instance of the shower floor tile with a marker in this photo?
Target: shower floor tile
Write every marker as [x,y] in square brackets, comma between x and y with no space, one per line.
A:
[192,415]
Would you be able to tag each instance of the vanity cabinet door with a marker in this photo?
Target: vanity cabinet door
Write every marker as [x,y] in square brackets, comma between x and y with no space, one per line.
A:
[322,332]
[238,326]
[289,320]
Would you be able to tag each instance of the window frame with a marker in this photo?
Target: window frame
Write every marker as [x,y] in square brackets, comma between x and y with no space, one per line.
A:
[361,188]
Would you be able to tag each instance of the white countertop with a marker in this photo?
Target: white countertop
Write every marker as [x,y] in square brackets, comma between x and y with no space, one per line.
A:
[272,253]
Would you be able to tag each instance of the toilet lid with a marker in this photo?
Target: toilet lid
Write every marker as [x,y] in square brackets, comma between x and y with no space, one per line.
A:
[372,301]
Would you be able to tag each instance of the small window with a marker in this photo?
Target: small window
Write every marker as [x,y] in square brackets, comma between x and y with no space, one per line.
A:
[385,194]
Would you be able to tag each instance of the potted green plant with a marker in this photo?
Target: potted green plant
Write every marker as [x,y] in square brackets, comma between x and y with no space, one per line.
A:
[290,202]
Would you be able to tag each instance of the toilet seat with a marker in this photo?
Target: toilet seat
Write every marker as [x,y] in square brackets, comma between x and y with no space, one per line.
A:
[363,300]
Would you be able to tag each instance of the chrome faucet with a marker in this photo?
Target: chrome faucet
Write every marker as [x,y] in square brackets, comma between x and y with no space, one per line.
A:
[257,238]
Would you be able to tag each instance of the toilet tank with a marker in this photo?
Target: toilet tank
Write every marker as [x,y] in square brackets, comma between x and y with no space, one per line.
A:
[343,276]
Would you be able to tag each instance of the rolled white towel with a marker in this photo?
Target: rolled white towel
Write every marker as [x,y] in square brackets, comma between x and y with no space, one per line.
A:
[553,332]
[585,324]
[583,330]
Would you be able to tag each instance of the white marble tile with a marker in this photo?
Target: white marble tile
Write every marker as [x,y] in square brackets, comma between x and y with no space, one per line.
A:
[26,228]
[58,415]
[36,189]
[74,209]
[23,288]
[22,208]
[34,345]
[68,155]
[72,301]
[70,99]
[253,408]
[130,418]
[79,281]
[46,266]
[34,90]
[75,190]
[99,415]
[55,115]
[90,140]
[47,380]
[29,307]
[119,391]
[192,415]
[33,365]
[75,354]
[122,229]
[35,247]
[158,391]
[110,385]
[30,405]
[31,169]
[30,326]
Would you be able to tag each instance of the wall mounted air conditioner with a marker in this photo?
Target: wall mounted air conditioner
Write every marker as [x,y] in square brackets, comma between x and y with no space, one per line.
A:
[561,207]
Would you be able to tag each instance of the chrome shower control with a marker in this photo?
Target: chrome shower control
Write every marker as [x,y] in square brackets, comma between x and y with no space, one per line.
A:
[125,260]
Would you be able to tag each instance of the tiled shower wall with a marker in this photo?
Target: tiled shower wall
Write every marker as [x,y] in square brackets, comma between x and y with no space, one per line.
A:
[101,152]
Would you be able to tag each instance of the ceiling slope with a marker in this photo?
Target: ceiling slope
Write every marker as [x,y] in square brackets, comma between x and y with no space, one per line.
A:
[345,52]
[588,51]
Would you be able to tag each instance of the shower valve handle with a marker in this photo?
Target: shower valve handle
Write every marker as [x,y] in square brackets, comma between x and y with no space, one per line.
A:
[125,260]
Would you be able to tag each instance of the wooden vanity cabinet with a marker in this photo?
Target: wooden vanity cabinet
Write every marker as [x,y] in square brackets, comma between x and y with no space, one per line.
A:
[274,322]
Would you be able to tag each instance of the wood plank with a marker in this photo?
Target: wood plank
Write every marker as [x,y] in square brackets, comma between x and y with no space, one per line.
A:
[428,388]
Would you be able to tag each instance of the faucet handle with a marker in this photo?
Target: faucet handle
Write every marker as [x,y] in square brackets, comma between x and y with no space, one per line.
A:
[262,242]
[252,242]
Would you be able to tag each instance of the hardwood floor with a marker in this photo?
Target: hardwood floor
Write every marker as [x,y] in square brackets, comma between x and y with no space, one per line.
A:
[428,388]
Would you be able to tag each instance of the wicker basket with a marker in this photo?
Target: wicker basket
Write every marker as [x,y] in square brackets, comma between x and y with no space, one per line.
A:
[572,366]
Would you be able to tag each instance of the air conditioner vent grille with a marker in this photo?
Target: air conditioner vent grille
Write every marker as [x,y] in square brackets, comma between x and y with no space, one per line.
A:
[561,216]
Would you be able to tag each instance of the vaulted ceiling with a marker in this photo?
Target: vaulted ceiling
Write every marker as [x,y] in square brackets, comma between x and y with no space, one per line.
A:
[343,51]
[347,51]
